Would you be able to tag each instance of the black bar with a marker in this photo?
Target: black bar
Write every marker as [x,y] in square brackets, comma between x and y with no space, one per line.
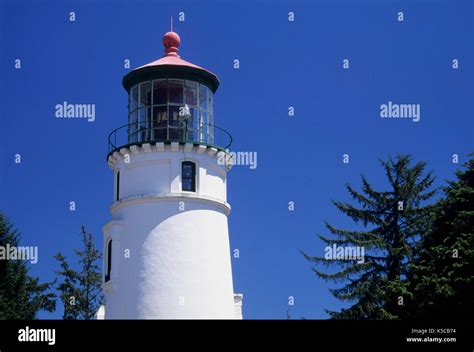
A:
[318,335]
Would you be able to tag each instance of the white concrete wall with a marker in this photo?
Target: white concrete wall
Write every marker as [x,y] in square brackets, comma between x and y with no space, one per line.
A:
[179,264]
[160,172]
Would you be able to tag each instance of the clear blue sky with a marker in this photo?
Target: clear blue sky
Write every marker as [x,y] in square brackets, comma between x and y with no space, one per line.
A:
[282,64]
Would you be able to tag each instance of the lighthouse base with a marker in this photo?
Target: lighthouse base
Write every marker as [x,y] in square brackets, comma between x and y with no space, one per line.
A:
[169,264]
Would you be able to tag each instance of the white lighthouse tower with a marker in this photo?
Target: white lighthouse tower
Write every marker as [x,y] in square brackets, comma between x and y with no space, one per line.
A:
[166,249]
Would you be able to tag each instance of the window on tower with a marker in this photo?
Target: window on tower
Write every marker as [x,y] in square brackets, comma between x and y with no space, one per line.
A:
[117,186]
[188,176]
[108,268]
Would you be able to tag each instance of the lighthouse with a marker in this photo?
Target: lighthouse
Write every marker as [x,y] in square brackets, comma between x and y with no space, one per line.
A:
[166,248]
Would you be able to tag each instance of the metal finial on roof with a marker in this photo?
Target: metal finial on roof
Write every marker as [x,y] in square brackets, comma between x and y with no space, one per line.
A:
[171,41]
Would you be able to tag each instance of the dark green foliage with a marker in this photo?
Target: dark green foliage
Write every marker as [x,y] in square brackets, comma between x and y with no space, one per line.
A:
[80,291]
[21,296]
[393,222]
[443,275]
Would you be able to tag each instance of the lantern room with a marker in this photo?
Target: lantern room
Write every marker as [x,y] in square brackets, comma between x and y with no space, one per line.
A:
[170,100]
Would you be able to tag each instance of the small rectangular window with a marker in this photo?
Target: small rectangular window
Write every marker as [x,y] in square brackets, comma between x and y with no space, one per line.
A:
[188,176]
[117,185]
[109,261]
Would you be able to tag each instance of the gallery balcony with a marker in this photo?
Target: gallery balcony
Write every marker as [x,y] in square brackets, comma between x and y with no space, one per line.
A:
[140,133]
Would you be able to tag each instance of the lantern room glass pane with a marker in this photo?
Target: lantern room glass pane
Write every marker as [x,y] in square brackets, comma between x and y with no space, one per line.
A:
[133,117]
[134,99]
[203,122]
[160,123]
[201,128]
[192,125]
[145,94]
[175,91]
[144,116]
[194,118]
[210,128]
[132,128]
[174,115]
[203,93]
[210,102]
[160,92]
[191,93]
[175,124]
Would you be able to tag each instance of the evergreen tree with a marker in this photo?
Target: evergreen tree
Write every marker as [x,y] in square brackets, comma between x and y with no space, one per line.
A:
[443,275]
[80,291]
[21,295]
[67,288]
[393,222]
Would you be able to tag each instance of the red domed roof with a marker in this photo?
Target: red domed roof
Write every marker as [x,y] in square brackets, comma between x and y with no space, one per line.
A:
[172,60]
[171,41]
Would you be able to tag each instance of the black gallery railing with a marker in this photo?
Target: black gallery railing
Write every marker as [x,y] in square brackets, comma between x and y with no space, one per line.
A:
[183,132]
